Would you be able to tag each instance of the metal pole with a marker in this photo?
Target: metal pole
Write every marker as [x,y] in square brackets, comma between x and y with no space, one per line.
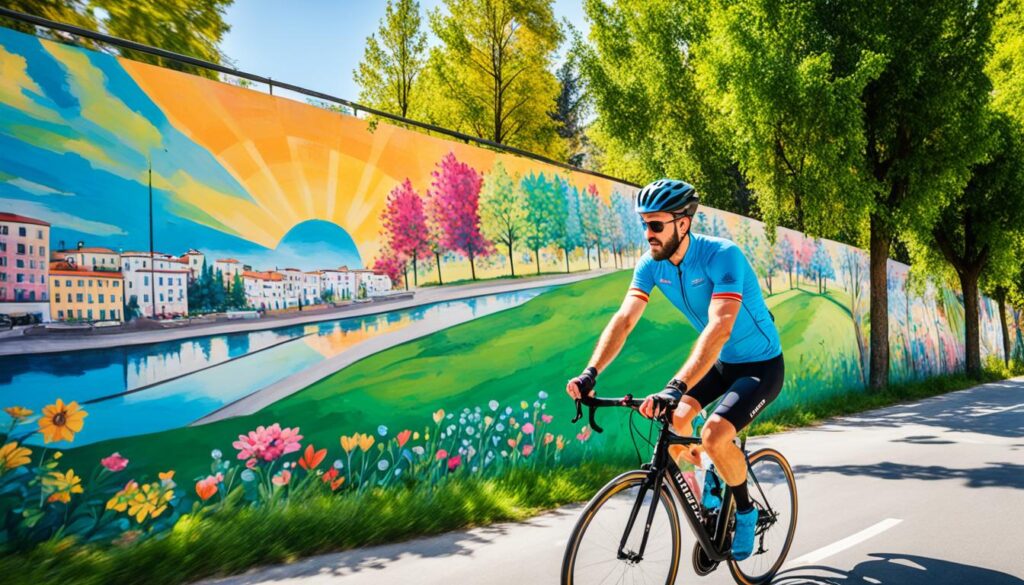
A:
[152,255]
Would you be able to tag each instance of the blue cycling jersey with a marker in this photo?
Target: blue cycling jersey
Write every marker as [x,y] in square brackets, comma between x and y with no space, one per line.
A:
[714,268]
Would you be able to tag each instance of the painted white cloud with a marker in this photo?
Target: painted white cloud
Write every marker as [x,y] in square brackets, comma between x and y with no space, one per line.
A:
[35,188]
[59,218]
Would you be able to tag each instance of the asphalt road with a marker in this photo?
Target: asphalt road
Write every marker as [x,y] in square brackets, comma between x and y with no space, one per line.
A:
[924,493]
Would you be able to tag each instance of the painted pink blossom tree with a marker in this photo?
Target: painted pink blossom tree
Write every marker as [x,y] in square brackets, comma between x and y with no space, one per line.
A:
[405,226]
[390,263]
[454,207]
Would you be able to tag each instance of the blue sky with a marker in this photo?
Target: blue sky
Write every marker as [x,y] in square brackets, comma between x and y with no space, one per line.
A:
[317,43]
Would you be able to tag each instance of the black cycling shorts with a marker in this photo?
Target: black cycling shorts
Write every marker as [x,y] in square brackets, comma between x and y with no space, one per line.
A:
[746,388]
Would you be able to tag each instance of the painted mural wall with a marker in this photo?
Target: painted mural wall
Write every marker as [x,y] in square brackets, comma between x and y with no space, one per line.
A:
[263,206]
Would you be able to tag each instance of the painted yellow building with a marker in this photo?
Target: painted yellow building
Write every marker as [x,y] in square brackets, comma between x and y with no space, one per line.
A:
[85,295]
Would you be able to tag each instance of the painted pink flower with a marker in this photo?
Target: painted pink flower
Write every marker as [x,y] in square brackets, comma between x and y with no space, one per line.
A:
[441,454]
[283,477]
[584,435]
[512,443]
[114,463]
[527,449]
[268,443]
[547,418]
[528,428]
[454,462]
[251,464]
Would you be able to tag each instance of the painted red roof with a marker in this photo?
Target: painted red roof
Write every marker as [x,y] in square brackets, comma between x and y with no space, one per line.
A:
[21,219]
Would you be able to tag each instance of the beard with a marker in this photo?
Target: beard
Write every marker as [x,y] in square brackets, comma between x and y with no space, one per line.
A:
[666,249]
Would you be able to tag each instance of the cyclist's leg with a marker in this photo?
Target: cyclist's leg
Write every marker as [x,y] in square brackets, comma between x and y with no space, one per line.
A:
[751,388]
[709,389]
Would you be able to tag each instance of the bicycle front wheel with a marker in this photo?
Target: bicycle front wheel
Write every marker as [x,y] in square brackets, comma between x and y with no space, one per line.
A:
[772,490]
[592,554]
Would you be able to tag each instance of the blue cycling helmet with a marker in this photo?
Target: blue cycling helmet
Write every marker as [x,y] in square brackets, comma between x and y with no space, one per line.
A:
[668,195]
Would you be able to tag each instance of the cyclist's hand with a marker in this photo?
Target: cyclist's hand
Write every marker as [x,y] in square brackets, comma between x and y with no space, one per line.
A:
[584,383]
[656,405]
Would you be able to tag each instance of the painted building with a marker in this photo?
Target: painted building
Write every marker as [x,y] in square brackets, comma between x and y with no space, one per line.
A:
[264,290]
[24,266]
[311,288]
[228,267]
[301,287]
[161,278]
[374,283]
[92,258]
[341,282]
[85,295]
[194,259]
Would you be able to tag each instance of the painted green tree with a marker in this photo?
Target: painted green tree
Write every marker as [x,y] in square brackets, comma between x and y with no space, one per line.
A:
[543,213]
[503,211]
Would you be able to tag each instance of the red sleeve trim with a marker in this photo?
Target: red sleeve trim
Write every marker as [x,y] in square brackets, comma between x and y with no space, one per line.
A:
[635,292]
[728,295]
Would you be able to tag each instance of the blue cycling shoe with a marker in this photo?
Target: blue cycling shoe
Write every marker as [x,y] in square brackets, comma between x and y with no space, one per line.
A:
[743,539]
[711,501]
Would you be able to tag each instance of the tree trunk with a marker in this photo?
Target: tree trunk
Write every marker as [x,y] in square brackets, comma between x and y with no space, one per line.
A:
[972,340]
[1001,299]
[472,265]
[567,261]
[437,256]
[511,260]
[586,251]
[599,255]
[536,254]
[405,276]
[879,304]
[790,279]
[415,275]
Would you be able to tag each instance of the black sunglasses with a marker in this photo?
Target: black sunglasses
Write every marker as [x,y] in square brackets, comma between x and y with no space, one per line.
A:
[659,226]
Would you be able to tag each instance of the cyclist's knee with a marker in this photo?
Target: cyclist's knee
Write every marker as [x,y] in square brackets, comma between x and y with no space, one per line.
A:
[717,433]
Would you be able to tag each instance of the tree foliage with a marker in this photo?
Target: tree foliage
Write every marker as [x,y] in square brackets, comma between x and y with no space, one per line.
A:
[393,59]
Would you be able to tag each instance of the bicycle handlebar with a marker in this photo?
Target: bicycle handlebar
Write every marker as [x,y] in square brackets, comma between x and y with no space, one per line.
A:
[593,403]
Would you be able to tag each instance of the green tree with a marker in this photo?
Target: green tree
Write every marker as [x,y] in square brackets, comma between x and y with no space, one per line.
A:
[73,12]
[570,111]
[491,71]
[393,59]
[544,213]
[981,228]
[911,74]
[502,211]
[653,120]
[236,294]
[1006,67]
[189,27]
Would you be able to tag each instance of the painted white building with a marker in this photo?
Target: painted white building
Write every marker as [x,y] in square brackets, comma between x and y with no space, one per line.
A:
[159,283]
[374,283]
[194,259]
[264,290]
[91,258]
[341,281]
[311,288]
[228,267]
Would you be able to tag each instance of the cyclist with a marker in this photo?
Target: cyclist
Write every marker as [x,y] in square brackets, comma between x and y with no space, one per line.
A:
[737,356]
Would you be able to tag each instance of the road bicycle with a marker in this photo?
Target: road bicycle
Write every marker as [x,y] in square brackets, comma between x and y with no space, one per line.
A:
[630,531]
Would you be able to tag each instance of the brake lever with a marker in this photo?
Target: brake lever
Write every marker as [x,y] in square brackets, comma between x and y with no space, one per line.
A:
[593,423]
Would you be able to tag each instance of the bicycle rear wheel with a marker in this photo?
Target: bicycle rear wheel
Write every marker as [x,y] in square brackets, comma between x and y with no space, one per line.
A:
[772,490]
[591,556]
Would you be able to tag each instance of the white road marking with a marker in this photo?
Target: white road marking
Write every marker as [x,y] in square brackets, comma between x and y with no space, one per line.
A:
[997,410]
[850,541]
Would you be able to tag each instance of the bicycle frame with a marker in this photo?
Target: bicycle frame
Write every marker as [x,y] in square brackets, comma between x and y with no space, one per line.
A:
[663,466]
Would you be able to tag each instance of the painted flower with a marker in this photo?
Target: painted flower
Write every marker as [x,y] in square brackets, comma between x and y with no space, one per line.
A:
[312,459]
[441,455]
[438,416]
[547,418]
[13,455]
[167,479]
[62,485]
[251,464]
[524,405]
[338,464]
[454,462]
[149,501]
[548,437]
[493,405]
[383,464]
[349,443]
[542,395]
[559,443]
[512,443]
[528,428]
[583,435]
[365,441]
[61,421]
[268,443]
[248,475]
[403,437]
[416,436]
[382,431]
[206,488]
[114,463]
[283,477]
[418,450]
[527,449]
[18,413]
[119,502]
[216,454]
[487,421]
[331,478]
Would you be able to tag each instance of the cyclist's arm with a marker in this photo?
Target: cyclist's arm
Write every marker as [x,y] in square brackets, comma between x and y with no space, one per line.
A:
[617,330]
[722,314]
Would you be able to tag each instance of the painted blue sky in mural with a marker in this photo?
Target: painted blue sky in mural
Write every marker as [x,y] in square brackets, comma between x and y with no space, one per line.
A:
[69,156]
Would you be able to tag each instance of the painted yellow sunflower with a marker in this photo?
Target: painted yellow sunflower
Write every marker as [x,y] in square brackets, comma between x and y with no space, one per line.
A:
[13,455]
[61,421]
[151,500]
[119,502]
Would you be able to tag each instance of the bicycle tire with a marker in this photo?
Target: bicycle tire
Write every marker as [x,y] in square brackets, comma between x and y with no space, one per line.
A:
[768,465]
[603,501]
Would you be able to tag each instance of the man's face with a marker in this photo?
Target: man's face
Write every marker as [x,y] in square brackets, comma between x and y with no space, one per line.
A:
[664,243]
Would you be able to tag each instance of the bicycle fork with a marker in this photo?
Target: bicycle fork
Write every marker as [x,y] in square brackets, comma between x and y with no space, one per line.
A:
[638,555]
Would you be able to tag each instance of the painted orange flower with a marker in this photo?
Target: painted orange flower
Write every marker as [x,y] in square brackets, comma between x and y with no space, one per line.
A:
[18,413]
[559,443]
[403,437]
[61,421]
[331,477]
[349,443]
[13,455]
[62,485]
[119,502]
[312,459]
[365,441]
[438,416]
[206,488]
[283,477]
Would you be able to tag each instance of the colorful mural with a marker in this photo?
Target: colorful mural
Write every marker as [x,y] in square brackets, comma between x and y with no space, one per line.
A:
[262,204]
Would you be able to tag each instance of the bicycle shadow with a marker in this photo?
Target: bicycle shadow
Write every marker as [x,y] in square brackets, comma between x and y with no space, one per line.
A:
[896,569]
[992,475]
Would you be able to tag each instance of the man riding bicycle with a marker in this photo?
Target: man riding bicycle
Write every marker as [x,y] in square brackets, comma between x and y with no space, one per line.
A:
[737,357]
